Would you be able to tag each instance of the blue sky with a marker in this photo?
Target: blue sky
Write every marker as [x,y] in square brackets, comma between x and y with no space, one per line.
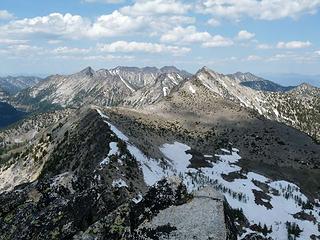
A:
[261,36]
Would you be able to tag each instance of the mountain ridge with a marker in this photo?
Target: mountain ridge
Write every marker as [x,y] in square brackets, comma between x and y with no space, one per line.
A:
[12,85]
[139,87]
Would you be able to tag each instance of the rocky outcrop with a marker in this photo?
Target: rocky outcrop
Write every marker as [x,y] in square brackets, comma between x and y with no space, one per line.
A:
[200,218]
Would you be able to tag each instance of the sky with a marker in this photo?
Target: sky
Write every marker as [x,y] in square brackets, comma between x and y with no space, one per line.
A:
[40,37]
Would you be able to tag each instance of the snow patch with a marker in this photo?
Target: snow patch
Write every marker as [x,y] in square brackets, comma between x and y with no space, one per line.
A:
[192,90]
[165,91]
[101,114]
[137,199]
[176,152]
[113,151]
[119,183]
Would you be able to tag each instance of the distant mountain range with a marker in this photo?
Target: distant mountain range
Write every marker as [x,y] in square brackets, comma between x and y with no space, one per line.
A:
[293,79]
[258,83]
[103,87]
[12,85]
[139,87]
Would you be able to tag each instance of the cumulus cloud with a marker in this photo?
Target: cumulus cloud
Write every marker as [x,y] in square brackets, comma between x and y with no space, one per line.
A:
[156,7]
[213,22]
[293,57]
[127,47]
[259,9]
[245,35]
[190,35]
[217,41]
[68,50]
[4,14]
[12,41]
[115,24]
[264,46]
[185,35]
[108,57]
[22,50]
[253,58]
[317,52]
[74,26]
[55,41]
[162,24]
[293,45]
[55,23]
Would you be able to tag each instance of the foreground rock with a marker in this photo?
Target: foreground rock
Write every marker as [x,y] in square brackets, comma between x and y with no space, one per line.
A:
[201,218]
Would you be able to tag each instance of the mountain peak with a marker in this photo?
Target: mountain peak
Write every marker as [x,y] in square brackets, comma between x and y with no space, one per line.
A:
[205,68]
[202,70]
[88,71]
[305,87]
[245,76]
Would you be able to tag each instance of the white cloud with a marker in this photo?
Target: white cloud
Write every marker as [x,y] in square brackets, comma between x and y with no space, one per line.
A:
[108,57]
[4,14]
[22,50]
[12,41]
[293,45]
[74,26]
[264,46]
[162,24]
[156,7]
[253,58]
[68,50]
[217,41]
[123,46]
[53,24]
[293,57]
[190,35]
[317,52]
[185,35]
[68,26]
[213,22]
[115,24]
[55,41]
[259,9]
[245,35]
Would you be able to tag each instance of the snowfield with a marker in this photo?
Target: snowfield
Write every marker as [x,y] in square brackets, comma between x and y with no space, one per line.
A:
[281,199]
[113,151]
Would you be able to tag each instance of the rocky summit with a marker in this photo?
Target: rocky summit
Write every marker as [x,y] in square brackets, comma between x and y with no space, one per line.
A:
[158,153]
